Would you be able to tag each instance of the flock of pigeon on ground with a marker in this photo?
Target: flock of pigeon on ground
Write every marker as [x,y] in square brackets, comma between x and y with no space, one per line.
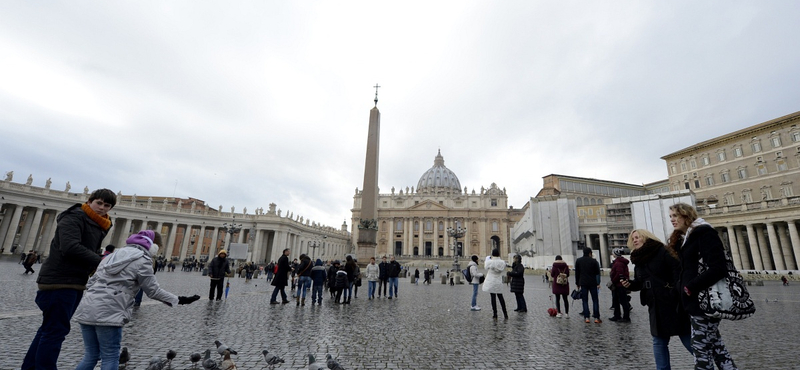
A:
[225,362]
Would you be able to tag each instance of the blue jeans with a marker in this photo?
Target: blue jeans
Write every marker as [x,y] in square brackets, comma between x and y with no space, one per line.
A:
[585,291]
[661,350]
[474,295]
[371,289]
[348,290]
[100,343]
[392,286]
[302,285]
[316,293]
[57,307]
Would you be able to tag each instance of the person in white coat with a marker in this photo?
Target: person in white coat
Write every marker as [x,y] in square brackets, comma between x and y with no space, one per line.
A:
[495,269]
[476,280]
[110,292]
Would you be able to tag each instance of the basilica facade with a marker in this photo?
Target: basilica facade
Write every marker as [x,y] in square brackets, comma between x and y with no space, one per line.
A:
[415,221]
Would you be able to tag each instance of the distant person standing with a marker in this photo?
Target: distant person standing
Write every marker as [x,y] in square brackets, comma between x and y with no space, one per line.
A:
[620,274]
[373,272]
[587,276]
[62,280]
[393,272]
[217,270]
[517,275]
[416,276]
[494,282]
[318,279]
[30,259]
[304,279]
[560,286]
[383,278]
[281,279]
[476,281]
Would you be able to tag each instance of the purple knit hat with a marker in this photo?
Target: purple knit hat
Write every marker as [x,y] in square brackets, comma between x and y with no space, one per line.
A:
[143,238]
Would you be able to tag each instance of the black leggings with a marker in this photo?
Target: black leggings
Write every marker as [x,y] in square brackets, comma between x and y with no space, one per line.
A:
[502,304]
[566,303]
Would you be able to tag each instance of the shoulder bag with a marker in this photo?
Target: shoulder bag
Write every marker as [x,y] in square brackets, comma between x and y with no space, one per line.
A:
[727,298]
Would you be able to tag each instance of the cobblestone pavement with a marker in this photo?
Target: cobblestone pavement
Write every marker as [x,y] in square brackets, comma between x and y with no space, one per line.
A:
[427,327]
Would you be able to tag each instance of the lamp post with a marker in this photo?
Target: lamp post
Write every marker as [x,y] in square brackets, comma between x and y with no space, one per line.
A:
[316,243]
[231,229]
[456,233]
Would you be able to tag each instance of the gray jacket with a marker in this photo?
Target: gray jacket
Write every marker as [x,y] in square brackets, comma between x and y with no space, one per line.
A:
[109,296]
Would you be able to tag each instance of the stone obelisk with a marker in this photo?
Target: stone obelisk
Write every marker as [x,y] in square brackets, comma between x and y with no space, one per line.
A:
[368,223]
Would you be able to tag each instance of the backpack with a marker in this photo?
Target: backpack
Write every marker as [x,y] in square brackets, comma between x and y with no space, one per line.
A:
[467,274]
[562,278]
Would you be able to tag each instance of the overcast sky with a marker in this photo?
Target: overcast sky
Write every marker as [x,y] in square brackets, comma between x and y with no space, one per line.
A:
[249,103]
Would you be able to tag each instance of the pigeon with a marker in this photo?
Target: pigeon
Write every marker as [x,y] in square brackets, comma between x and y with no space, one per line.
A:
[155,364]
[227,363]
[124,357]
[313,364]
[208,362]
[333,364]
[272,360]
[221,348]
[170,356]
[195,358]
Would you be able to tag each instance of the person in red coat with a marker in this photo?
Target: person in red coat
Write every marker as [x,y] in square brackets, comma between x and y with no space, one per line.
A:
[561,291]
[619,274]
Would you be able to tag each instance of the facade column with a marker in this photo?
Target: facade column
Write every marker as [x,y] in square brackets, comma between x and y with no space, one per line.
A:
[280,245]
[198,243]
[786,247]
[33,233]
[256,256]
[734,247]
[187,235]
[390,247]
[407,248]
[212,249]
[49,232]
[123,232]
[446,245]
[12,228]
[435,242]
[746,264]
[604,260]
[4,227]
[795,237]
[26,230]
[775,247]
[764,249]
[173,234]
[754,249]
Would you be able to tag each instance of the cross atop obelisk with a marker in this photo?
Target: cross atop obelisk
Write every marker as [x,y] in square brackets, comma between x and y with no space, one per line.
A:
[368,220]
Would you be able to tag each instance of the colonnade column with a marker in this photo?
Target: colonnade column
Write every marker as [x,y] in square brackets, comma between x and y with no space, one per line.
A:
[12,227]
[734,247]
[187,235]
[604,260]
[754,249]
[33,231]
[764,249]
[795,237]
[256,255]
[743,249]
[775,247]
[212,249]
[173,232]
[48,233]
[786,247]
[123,232]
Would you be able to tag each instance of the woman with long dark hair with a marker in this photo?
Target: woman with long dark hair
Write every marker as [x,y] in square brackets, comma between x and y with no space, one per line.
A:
[517,275]
[695,239]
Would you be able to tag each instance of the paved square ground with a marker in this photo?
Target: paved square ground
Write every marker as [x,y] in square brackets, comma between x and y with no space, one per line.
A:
[427,327]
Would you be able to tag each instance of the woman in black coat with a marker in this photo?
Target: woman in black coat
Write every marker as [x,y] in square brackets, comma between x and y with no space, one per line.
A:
[281,279]
[656,276]
[517,275]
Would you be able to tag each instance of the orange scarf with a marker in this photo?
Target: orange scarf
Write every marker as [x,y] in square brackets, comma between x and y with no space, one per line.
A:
[103,221]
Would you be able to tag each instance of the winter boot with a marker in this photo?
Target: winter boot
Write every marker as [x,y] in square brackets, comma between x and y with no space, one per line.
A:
[302,301]
[298,301]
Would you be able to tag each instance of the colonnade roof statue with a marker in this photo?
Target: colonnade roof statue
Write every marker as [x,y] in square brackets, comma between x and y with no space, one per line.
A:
[438,177]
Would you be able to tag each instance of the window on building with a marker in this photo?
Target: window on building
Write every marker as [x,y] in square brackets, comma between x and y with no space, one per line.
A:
[579,202]
[796,136]
[672,169]
[721,155]
[441,226]
[706,161]
[697,184]
[580,212]
[766,193]
[686,185]
[728,199]
[416,225]
[398,225]
[737,152]
[761,168]
[776,141]
[747,197]
[494,202]
[710,180]
[742,173]
[693,164]
[756,147]
[591,212]
[782,165]
[725,177]
[429,225]
[787,191]
[495,226]
[683,166]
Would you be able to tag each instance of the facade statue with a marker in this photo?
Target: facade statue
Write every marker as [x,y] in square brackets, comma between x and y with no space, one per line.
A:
[272,208]
[133,200]
[47,183]
[9,175]
[30,180]
[180,204]
[392,190]
[85,190]
[279,212]
[149,202]
[301,219]
[220,208]
[68,187]
[244,210]
[232,209]
[194,205]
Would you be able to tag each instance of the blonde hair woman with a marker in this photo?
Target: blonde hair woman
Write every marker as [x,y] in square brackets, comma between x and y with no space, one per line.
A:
[656,277]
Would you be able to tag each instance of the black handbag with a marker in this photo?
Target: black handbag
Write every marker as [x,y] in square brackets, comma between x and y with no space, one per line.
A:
[727,298]
[575,295]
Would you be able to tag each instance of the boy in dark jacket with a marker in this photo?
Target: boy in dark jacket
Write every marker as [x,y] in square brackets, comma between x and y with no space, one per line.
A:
[318,278]
[217,269]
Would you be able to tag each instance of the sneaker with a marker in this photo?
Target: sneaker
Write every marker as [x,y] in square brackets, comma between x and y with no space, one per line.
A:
[566,315]
[598,321]
[390,297]
[475,308]
[559,316]
[587,320]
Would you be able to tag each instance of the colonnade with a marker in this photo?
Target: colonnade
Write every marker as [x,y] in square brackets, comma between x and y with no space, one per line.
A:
[28,220]
[414,233]
[771,245]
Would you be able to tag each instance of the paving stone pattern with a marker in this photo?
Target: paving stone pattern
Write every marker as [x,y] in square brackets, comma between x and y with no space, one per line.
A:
[427,327]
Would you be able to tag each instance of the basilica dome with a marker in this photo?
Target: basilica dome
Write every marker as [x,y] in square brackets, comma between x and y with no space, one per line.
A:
[438,178]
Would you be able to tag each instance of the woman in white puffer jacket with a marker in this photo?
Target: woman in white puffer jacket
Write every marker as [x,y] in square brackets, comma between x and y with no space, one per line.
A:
[107,304]
[495,269]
